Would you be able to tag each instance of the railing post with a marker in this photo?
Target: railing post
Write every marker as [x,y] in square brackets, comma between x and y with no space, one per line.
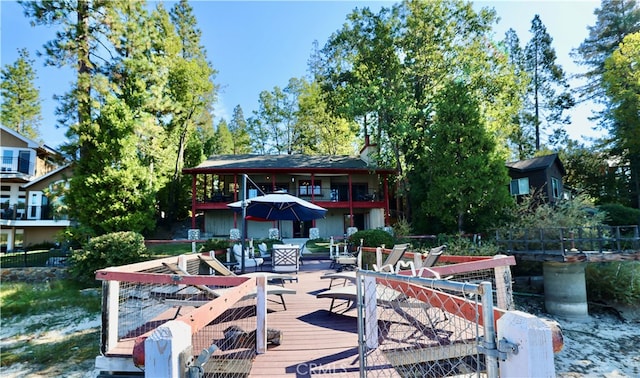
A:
[261,315]
[600,240]
[504,290]
[163,348]
[486,296]
[534,357]
[110,310]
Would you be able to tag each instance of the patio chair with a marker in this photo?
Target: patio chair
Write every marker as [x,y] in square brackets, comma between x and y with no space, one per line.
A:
[285,258]
[396,254]
[215,265]
[348,293]
[250,261]
[430,258]
[211,293]
[349,261]
[390,263]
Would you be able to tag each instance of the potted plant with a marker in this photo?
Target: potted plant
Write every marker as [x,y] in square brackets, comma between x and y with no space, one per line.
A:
[216,246]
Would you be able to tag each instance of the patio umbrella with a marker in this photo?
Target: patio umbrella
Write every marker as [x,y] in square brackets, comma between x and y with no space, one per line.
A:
[279,206]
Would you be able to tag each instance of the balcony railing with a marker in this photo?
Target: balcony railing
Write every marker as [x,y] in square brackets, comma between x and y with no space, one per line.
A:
[317,195]
[31,213]
[17,165]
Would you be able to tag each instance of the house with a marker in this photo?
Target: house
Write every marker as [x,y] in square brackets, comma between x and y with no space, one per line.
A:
[540,174]
[353,190]
[30,173]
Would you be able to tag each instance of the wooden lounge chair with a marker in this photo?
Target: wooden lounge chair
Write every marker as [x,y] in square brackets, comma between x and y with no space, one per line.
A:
[210,293]
[396,254]
[348,293]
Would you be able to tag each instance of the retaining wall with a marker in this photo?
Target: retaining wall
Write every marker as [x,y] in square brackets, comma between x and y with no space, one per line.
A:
[33,275]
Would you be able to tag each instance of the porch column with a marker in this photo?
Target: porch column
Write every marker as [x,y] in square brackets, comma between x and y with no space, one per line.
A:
[313,194]
[193,201]
[350,202]
[386,200]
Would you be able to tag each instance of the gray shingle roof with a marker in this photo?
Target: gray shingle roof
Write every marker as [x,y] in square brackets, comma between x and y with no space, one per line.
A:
[240,162]
[541,162]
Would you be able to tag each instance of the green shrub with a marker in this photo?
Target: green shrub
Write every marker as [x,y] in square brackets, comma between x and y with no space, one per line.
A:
[614,282]
[619,215]
[464,246]
[215,245]
[319,245]
[372,238]
[114,249]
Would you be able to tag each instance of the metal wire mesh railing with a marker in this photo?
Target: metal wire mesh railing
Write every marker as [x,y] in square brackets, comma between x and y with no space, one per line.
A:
[221,311]
[423,327]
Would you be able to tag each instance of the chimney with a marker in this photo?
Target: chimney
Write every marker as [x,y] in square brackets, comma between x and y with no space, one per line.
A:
[368,151]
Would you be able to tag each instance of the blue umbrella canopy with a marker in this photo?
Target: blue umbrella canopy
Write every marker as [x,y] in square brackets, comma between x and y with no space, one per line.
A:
[280,206]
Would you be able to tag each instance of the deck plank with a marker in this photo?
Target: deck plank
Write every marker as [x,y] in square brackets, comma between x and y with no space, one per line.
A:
[314,340]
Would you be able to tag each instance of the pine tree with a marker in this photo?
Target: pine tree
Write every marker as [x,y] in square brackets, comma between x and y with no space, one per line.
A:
[615,20]
[20,97]
[548,92]
[81,25]
[523,139]
[464,182]
[239,134]
[224,139]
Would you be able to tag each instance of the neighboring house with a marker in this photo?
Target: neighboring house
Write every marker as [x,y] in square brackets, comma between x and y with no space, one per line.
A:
[30,173]
[354,191]
[541,174]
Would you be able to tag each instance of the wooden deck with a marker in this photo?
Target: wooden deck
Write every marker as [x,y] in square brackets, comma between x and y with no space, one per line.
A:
[314,340]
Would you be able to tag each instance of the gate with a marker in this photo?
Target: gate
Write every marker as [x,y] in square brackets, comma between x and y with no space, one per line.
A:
[423,327]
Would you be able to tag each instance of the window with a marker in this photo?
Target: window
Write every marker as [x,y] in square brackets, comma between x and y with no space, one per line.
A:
[519,186]
[24,164]
[7,160]
[306,189]
[555,187]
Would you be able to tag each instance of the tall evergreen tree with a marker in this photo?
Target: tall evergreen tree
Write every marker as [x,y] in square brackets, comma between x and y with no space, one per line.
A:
[548,92]
[239,133]
[464,181]
[522,139]
[20,108]
[193,93]
[621,80]
[224,139]
[615,20]
[123,149]
[80,29]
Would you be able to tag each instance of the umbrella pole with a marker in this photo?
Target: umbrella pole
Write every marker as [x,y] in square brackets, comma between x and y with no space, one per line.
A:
[244,221]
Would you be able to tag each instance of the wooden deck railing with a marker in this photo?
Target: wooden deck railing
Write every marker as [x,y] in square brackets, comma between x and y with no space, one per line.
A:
[572,244]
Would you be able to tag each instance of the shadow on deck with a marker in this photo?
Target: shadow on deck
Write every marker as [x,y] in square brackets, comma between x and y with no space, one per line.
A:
[315,341]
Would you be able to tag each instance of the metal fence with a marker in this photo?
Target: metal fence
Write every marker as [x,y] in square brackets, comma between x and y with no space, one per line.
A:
[618,239]
[425,327]
[139,298]
[25,259]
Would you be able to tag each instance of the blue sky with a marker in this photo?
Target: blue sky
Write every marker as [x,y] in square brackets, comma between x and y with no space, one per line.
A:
[255,46]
